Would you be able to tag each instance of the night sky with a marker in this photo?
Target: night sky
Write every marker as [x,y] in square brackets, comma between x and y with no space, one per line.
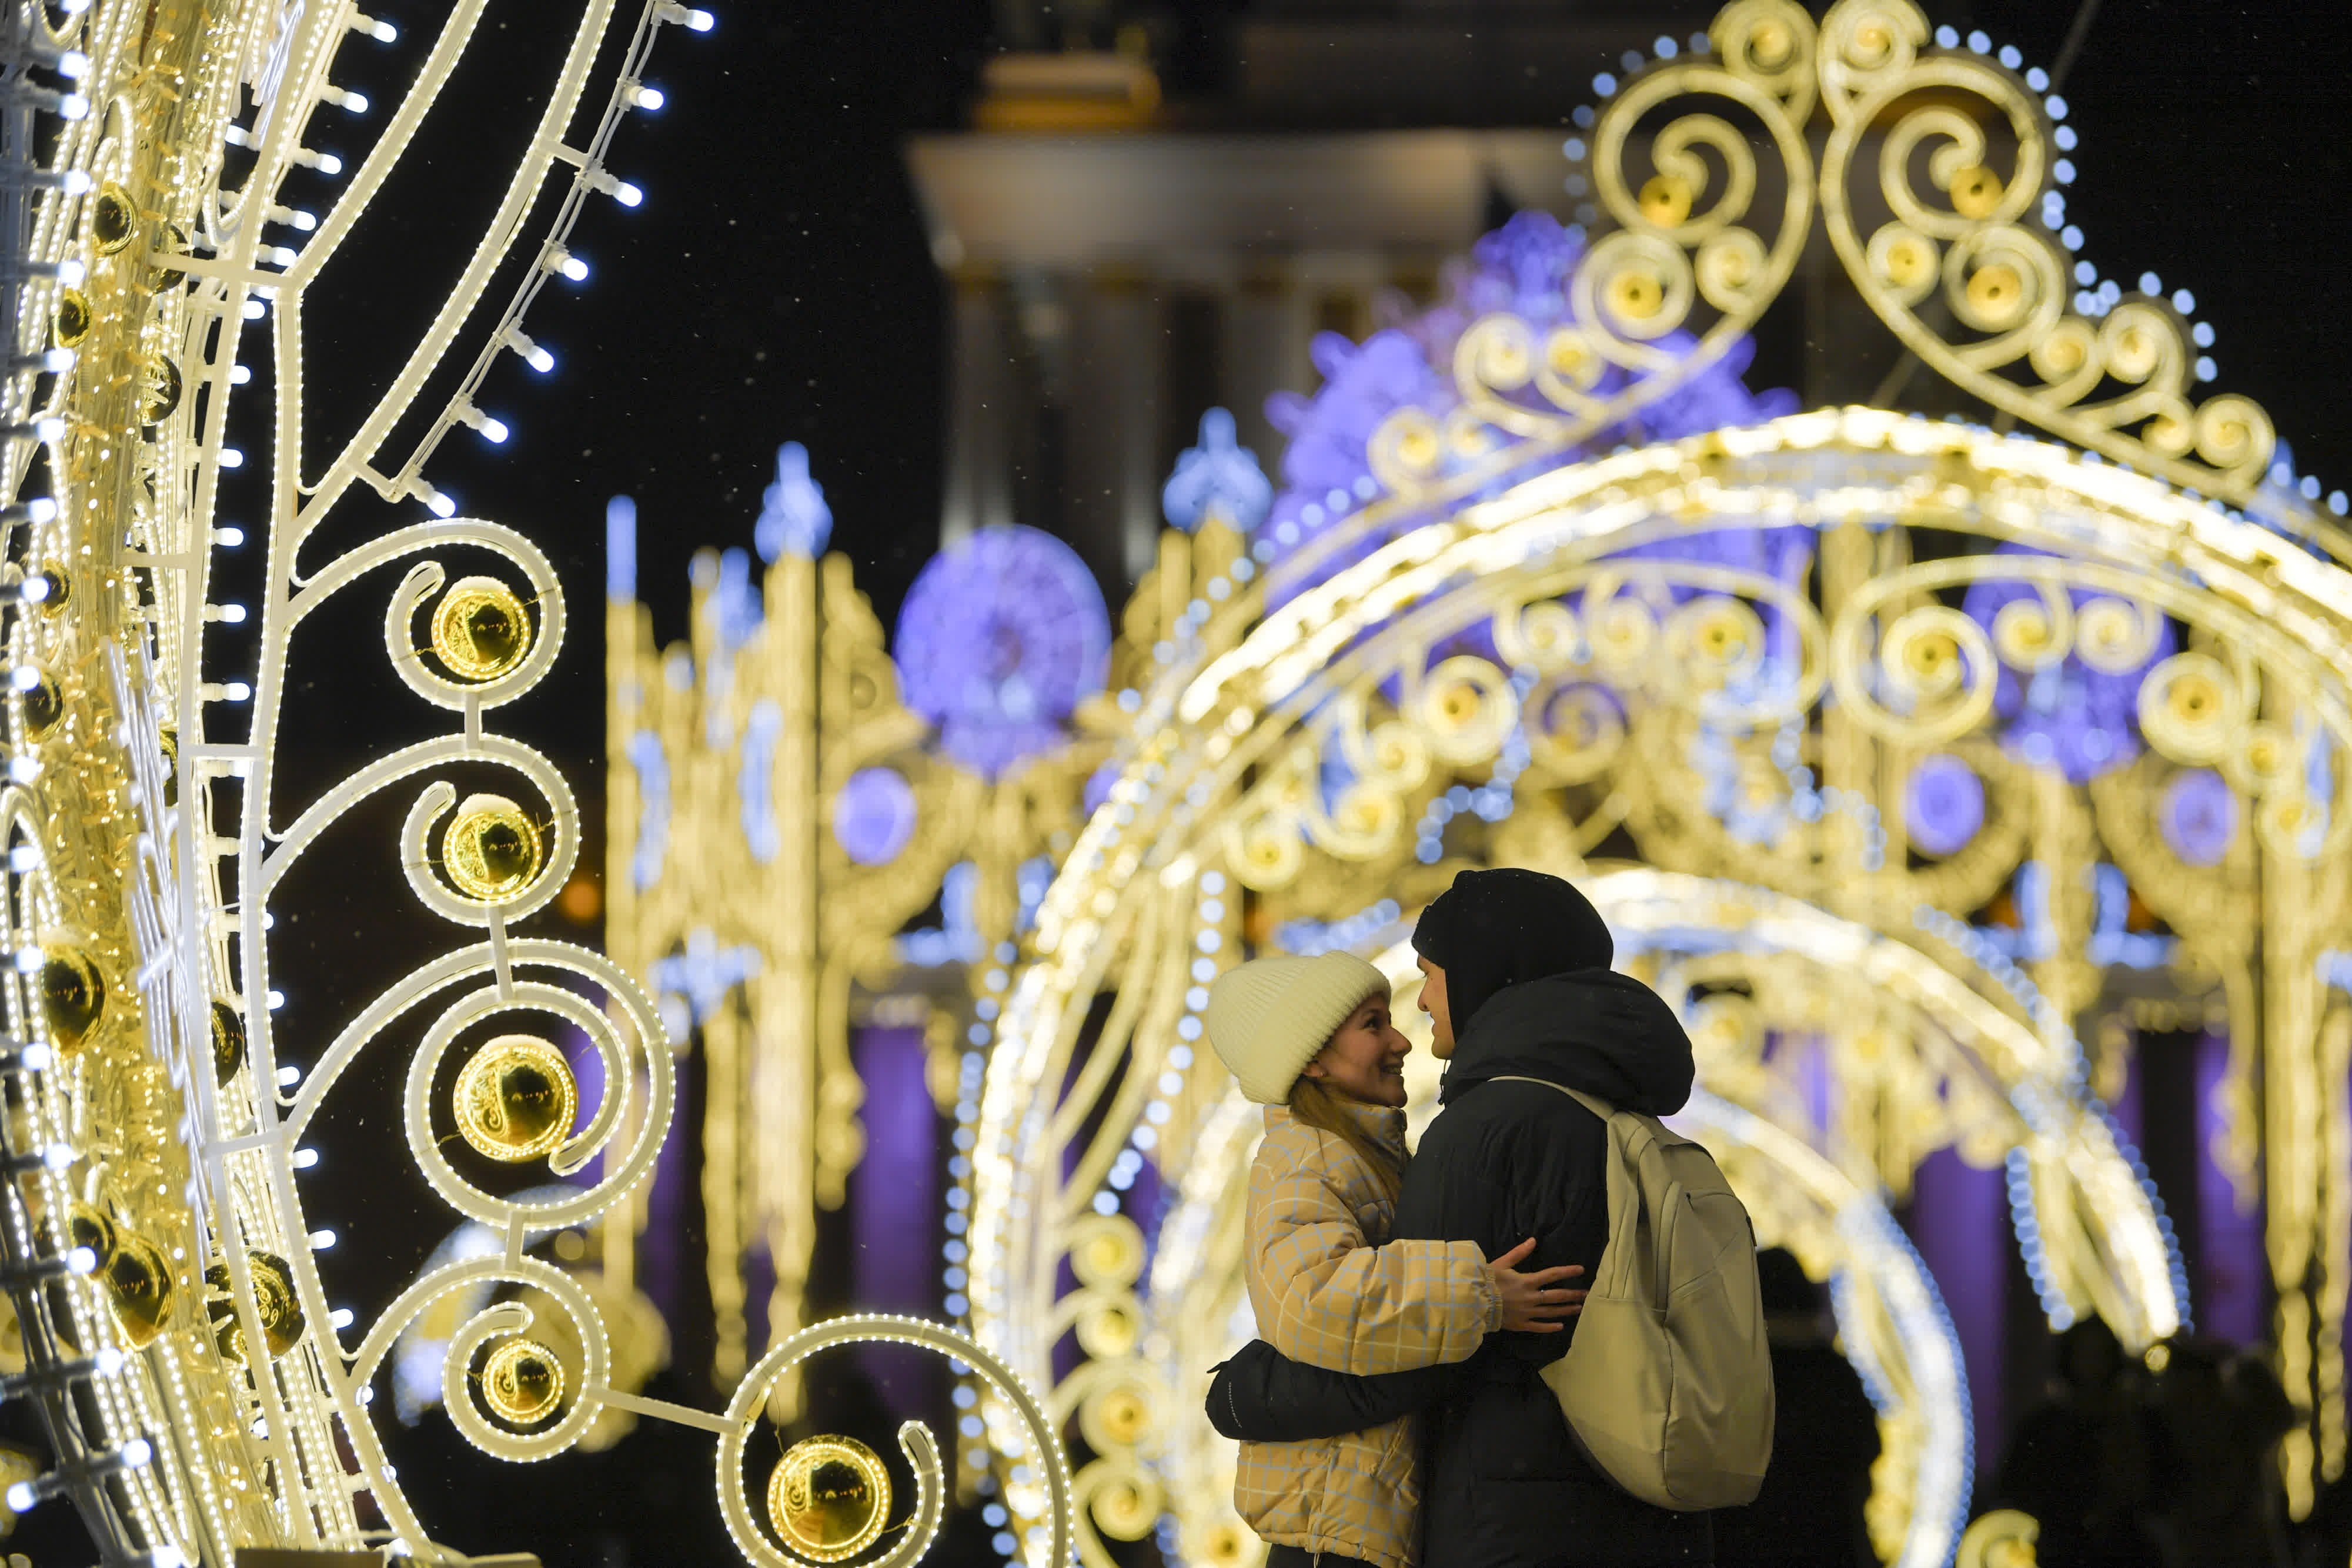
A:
[775,284]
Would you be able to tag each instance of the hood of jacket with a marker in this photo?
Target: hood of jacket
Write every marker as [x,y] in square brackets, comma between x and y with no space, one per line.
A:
[1594,1030]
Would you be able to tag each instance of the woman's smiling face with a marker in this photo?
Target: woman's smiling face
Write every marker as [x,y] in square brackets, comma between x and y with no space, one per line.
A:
[1364,1060]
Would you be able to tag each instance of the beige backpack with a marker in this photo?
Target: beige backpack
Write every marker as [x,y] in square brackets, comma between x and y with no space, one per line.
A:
[1668,1382]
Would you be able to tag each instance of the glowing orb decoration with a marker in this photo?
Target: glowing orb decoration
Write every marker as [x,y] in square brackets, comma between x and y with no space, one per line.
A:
[480,628]
[829,1497]
[515,1098]
[874,815]
[2198,814]
[493,849]
[275,1302]
[1946,802]
[228,1040]
[1001,638]
[522,1382]
[73,994]
[44,705]
[138,1280]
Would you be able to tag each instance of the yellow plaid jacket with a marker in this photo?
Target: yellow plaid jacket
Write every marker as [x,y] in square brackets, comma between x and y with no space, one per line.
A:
[1326,1291]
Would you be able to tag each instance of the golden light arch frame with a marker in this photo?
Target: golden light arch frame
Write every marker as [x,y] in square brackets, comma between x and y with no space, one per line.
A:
[1221,793]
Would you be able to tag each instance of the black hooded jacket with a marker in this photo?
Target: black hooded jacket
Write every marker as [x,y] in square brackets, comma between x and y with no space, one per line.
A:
[1506,1485]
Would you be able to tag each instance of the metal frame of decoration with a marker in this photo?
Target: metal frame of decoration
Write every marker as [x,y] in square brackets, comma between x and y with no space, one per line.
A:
[200,1395]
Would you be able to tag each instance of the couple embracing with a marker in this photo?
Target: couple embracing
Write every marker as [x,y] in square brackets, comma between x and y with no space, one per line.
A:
[1395,1411]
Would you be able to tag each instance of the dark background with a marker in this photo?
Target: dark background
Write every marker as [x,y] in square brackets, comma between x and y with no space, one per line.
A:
[776,284]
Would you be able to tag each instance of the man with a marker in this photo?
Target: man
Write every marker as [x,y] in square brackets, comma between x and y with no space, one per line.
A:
[1516,984]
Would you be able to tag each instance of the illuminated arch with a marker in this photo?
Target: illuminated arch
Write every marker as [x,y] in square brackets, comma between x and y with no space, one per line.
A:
[1230,784]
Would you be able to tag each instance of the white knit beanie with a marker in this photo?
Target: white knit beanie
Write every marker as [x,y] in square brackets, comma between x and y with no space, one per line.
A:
[1269,1018]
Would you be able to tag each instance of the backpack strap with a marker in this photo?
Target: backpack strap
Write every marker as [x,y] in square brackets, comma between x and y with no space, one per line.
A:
[1593,1103]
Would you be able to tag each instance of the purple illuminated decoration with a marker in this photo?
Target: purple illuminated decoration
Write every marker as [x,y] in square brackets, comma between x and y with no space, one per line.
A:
[1943,804]
[793,513]
[2082,721]
[874,815]
[1219,478]
[1526,268]
[2198,815]
[1001,638]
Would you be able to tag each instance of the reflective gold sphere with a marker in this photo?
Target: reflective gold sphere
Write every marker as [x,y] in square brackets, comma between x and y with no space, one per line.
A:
[515,1098]
[522,1383]
[176,242]
[91,1227]
[491,849]
[274,1300]
[73,994]
[139,1280]
[159,388]
[480,630]
[45,705]
[228,1041]
[829,1497]
[72,322]
[113,219]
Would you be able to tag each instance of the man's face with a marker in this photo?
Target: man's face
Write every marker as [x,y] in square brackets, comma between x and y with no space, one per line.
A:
[1432,1002]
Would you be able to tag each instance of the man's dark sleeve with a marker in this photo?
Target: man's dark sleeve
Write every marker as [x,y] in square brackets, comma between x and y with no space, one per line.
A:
[1262,1397]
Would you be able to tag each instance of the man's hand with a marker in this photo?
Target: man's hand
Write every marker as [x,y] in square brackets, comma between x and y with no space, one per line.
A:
[1535,1303]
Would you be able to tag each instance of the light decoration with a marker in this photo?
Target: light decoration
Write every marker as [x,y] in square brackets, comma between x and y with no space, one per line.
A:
[201,1395]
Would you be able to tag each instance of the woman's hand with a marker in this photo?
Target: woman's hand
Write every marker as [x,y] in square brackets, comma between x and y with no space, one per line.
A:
[1535,1303]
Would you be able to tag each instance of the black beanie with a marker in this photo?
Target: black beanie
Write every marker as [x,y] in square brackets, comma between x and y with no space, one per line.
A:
[1505,927]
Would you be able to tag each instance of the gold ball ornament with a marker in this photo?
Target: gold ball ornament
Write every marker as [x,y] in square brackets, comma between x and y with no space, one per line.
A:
[228,1041]
[91,1227]
[828,1497]
[45,705]
[491,849]
[273,1302]
[515,1098]
[73,996]
[1976,192]
[159,388]
[140,1282]
[113,219]
[480,630]
[71,319]
[522,1383]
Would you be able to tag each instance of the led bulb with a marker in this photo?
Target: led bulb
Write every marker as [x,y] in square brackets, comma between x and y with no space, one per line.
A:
[233,613]
[73,105]
[58,361]
[238,692]
[231,457]
[137,1452]
[573,268]
[305,1158]
[255,309]
[81,1261]
[383,32]
[494,430]
[239,374]
[108,1362]
[40,510]
[21,1496]
[304,221]
[24,677]
[78,183]
[628,195]
[321,1239]
[73,65]
[645,97]
[329,164]
[72,274]
[536,358]
[698,21]
[231,536]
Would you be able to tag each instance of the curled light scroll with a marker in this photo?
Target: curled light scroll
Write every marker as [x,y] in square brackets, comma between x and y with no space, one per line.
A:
[385,771]
[915,1439]
[620,1175]
[544,590]
[498,1321]
[556,858]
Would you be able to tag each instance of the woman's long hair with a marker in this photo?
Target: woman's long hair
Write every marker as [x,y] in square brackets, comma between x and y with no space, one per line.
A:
[1316,1104]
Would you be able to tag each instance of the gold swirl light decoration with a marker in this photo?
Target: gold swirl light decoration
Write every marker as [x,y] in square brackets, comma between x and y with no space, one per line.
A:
[828,1496]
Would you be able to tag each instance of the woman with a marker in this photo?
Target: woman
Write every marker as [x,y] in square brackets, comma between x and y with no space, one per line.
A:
[1310,1039]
